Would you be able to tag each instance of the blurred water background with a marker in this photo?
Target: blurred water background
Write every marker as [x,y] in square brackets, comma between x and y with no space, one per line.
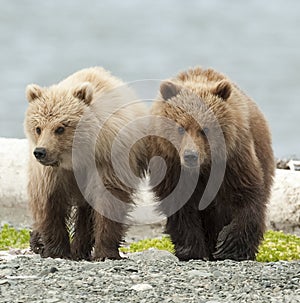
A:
[256,43]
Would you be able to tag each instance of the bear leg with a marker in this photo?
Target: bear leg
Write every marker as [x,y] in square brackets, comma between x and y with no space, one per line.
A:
[83,238]
[108,236]
[240,239]
[54,233]
[186,232]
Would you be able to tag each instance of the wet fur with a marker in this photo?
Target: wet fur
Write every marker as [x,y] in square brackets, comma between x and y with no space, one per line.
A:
[232,226]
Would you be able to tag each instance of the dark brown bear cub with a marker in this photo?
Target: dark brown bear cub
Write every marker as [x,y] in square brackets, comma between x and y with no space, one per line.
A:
[219,166]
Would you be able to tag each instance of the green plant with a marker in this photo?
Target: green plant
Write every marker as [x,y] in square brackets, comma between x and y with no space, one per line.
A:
[13,238]
[278,246]
[163,243]
[275,246]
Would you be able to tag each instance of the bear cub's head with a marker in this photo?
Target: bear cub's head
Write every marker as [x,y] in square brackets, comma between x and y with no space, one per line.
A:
[202,118]
[51,121]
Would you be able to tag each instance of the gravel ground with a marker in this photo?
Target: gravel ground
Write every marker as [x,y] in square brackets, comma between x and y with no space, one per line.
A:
[151,276]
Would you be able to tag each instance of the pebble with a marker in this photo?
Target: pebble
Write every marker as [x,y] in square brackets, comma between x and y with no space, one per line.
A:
[149,277]
[4,281]
[53,270]
[217,273]
[141,287]
[52,300]
[198,273]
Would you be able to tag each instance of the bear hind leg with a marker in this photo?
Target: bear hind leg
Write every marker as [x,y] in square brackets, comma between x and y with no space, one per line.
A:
[109,223]
[108,237]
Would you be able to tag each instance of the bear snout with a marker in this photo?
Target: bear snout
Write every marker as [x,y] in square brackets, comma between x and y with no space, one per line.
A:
[40,153]
[44,158]
[190,158]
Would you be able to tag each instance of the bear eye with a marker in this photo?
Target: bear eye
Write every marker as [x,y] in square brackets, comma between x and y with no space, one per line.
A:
[204,131]
[181,130]
[38,130]
[60,130]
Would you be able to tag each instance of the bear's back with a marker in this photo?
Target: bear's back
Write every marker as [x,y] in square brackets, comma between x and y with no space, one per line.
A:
[101,79]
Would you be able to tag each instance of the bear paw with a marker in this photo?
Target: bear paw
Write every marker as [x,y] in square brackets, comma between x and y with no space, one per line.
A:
[36,243]
[113,255]
[233,244]
[78,253]
[62,252]
[191,253]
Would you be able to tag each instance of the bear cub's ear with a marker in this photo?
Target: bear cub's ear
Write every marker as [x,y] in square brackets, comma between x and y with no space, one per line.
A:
[168,90]
[222,90]
[84,92]
[33,92]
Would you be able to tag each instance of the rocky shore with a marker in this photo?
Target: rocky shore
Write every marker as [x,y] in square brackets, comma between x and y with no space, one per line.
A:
[151,276]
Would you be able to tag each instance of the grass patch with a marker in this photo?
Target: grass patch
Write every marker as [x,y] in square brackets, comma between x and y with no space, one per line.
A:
[163,243]
[279,246]
[13,238]
[275,246]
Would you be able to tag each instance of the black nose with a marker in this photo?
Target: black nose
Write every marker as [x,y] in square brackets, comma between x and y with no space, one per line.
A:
[190,157]
[40,153]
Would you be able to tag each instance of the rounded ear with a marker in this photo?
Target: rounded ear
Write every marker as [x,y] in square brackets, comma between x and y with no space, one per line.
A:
[33,92]
[222,89]
[168,90]
[84,92]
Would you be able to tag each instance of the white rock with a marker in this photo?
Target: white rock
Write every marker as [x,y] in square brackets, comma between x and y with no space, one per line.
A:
[294,165]
[141,287]
[13,177]
[6,255]
[284,206]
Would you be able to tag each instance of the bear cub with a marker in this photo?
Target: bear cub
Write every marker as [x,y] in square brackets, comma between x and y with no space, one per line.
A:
[71,128]
[219,166]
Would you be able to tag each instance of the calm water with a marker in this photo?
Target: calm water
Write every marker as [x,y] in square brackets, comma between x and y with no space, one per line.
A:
[256,43]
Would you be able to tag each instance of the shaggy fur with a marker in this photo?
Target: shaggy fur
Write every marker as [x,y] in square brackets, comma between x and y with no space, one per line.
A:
[232,226]
[87,98]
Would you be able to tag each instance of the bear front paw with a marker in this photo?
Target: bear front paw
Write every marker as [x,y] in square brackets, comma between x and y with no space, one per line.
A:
[80,253]
[36,243]
[112,255]
[233,244]
[191,253]
[62,252]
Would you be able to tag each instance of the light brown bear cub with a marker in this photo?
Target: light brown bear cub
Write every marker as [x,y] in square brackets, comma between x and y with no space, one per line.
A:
[71,127]
[217,130]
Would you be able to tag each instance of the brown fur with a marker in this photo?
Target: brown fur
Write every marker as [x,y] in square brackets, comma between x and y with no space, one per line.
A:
[51,122]
[232,226]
